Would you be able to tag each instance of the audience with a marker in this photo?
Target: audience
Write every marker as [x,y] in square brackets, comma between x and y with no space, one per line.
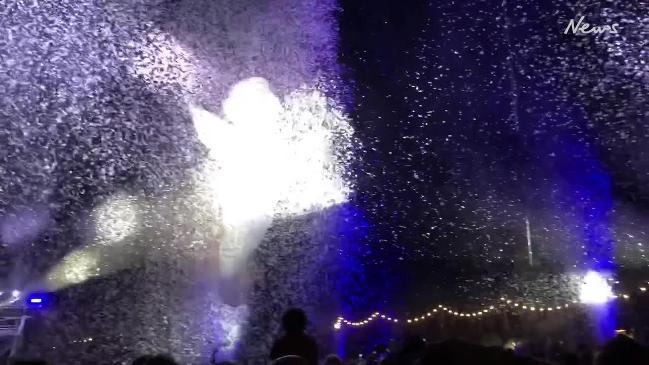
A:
[332,360]
[411,351]
[295,341]
[623,350]
[454,352]
[295,347]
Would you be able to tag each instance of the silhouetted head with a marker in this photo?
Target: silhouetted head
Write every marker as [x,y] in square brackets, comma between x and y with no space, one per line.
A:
[290,360]
[155,360]
[294,320]
[623,350]
[332,360]
[142,360]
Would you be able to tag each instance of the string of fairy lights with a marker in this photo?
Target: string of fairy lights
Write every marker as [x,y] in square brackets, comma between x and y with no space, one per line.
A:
[504,304]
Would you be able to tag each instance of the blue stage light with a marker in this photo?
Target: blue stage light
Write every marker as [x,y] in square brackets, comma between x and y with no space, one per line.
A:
[39,300]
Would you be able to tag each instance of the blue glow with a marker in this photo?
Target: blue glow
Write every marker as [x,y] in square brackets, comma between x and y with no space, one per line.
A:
[39,300]
[350,230]
[585,198]
[361,288]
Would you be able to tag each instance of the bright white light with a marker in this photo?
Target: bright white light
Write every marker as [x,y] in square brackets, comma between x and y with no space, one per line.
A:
[79,267]
[246,150]
[75,268]
[510,345]
[315,159]
[273,159]
[595,289]
[251,104]
[36,300]
[15,293]
[116,219]
[270,158]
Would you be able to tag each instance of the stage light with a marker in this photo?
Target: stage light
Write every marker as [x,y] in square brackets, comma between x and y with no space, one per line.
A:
[267,107]
[595,289]
[116,219]
[510,345]
[75,268]
[39,300]
[270,158]
[272,153]
[623,332]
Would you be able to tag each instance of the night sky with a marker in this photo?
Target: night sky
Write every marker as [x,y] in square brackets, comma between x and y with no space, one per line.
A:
[475,115]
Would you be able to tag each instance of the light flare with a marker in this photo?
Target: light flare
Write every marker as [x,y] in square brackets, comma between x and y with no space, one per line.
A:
[271,158]
[75,268]
[595,289]
[116,219]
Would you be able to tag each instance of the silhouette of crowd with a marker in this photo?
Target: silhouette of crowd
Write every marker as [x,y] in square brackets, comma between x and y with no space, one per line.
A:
[296,347]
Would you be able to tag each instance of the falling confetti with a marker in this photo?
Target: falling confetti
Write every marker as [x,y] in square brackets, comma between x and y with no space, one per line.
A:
[181,171]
